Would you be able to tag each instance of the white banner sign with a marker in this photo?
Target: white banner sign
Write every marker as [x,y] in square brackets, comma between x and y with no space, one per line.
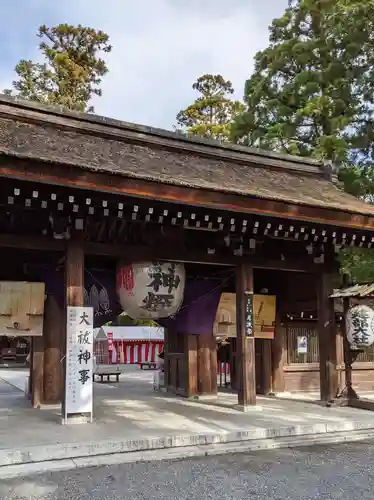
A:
[79,361]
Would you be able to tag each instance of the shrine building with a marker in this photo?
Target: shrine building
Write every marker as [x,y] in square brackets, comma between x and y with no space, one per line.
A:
[83,194]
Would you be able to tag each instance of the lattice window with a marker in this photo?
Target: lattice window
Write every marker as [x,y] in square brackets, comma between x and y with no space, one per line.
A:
[294,330]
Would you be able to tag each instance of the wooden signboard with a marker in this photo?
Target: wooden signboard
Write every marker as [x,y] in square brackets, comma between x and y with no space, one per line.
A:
[264,311]
[21,308]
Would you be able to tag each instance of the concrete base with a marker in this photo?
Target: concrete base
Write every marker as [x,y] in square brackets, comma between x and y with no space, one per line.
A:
[50,406]
[248,408]
[281,395]
[77,419]
[205,397]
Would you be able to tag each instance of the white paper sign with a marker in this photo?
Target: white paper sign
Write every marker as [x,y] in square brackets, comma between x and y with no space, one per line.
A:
[302,345]
[79,361]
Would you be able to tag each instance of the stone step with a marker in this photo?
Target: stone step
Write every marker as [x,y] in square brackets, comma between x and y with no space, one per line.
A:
[27,463]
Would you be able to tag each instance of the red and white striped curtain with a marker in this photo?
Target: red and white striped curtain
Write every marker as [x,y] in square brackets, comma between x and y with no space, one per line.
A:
[134,352]
[223,367]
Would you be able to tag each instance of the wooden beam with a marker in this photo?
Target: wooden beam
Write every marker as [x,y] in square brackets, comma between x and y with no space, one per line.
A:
[26,242]
[142,253]
[75,177]
[327,339]
[245,344]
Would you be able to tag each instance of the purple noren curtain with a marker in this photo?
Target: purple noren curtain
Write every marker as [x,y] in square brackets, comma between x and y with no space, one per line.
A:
[99,291]
[199,308]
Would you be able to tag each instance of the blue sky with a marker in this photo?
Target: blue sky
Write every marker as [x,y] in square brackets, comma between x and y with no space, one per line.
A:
[160,47]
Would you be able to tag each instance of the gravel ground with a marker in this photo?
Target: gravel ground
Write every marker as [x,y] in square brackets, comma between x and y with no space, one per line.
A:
[332,473]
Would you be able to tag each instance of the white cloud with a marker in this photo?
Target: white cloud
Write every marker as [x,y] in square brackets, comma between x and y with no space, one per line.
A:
[160,47]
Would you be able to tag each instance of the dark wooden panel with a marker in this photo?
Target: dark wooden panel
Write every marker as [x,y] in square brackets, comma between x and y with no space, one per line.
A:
[306,379]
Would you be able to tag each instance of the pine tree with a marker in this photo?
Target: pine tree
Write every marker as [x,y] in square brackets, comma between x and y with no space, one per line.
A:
[72,69]
[312,90]
[211,114]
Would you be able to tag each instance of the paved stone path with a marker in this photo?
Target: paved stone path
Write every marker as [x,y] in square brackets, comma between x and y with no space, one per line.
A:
[319,473]
[130,416]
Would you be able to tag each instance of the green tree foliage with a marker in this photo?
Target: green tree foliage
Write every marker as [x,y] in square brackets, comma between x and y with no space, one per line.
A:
[211,114]
[312,90]
[72,69]
[312,94]
[358,264]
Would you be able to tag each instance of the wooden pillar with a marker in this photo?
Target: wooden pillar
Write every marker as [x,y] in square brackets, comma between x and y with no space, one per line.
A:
[74,283]
[203,363]
[348,390]
[36,371]
[52,332]
[277,350]
[166,358]
[266,367]
[192,369]
[213,365]
[74,272]
[327,339]
[340,357]
[245,339]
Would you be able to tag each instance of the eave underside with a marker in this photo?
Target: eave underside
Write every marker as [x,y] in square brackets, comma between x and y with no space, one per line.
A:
[116,185]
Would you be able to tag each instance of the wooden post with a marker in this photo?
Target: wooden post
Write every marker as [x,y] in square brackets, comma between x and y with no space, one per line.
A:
[340,357]
[74,282]
[245,343]
[203,362]
[74,272]
[266,366]
[213,365]
[37,368]
[327,339]
[52,332]
[348,390]
[277,350]
[191,372]
[166,358]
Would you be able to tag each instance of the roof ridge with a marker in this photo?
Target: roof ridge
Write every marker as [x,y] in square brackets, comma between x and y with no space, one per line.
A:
[171,139]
